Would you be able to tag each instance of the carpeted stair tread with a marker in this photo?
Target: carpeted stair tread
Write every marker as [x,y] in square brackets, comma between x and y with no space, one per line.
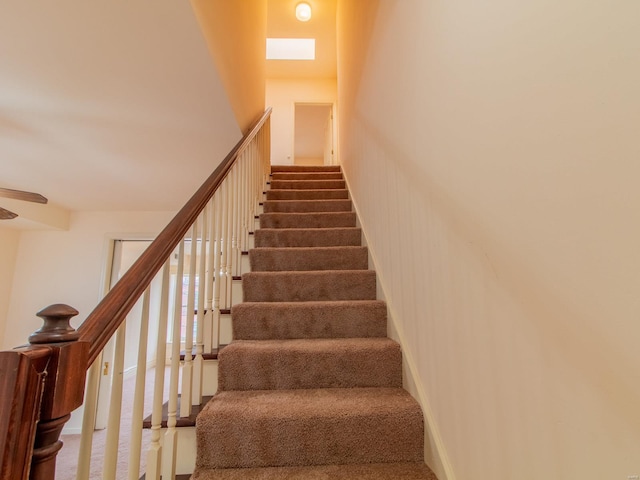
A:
[308,237]
[306,176]
[271,259]
[369,471]
[286,206]
[310,363]
[305,168]
[308,220]
[293,194]
[307,184]
[284,320]
[311,386]
[259,428]
[309,286]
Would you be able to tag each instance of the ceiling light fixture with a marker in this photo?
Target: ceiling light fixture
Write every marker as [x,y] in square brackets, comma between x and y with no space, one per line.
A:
[303,12]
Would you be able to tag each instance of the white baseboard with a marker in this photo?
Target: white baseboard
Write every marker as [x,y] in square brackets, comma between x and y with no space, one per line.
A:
[131,371]
[412,381]
[71,431]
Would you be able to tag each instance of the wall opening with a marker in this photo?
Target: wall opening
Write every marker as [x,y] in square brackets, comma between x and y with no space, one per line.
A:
[313,134]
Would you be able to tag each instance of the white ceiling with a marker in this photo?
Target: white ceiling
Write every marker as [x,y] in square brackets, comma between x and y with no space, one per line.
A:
[113,106]
[282,23]
[108,105]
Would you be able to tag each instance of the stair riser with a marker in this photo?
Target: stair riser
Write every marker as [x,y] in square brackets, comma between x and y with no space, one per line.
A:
[305,259]
[371,471]
[308,220]
[260,321]
[286,436]
[304,168]
[326,194]
[288,206]
[309,286]
[313,237]
[307,176]
[307,184]
[327,363]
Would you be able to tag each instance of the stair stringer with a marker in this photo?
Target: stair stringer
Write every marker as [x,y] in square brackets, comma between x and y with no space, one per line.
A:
[435,452]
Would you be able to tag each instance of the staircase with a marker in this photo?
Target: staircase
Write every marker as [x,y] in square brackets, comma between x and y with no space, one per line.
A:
[310,387]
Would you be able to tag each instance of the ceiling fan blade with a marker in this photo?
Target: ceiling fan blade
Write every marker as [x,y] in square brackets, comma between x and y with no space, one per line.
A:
[6,214]
[21,195]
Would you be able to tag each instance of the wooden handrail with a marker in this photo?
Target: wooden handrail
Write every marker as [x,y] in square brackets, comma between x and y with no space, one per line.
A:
[109,314]
[41,384]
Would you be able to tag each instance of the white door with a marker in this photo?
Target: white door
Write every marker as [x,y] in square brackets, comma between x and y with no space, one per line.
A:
[124,254]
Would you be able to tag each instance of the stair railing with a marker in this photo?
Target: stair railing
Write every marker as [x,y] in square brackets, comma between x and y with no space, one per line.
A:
[200,250]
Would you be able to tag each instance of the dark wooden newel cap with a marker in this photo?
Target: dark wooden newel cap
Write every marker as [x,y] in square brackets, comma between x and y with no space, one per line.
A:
[56,328]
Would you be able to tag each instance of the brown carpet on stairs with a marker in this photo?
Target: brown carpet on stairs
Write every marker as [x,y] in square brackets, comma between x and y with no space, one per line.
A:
[307,184]
[372,471]
[331,205]
[310,387]
[269,259]
[304,168]
[338,319]
[293,194]
[310,363]
[306,176]
[308,220]
[307,286]
[307,237]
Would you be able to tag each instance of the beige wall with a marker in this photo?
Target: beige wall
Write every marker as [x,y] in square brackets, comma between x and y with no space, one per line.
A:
[68,266]
[282,95]
[236,32]
[312,124]
[9,239]
[492,152]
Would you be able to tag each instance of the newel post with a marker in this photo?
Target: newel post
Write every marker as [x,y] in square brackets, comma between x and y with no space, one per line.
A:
[63,386]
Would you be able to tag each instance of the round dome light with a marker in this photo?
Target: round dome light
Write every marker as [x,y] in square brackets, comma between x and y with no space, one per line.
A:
[303,12]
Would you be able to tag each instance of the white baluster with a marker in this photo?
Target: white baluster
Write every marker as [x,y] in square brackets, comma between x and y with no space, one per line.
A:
[115,408]
[251,192]
[135,447]
[170,449]
[187,367]
[233,212]
[236,221]
[217,265]
[228,240]
[88,420]
[255,186]
[240,212]
[154,457]
[198,364]
[246,209]
[208,318]
[225,244]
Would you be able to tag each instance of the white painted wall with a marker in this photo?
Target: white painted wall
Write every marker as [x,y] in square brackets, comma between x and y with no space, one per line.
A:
[311,127]
[68,266]
[236,36]
[492,151]
[282,95]
[9,240]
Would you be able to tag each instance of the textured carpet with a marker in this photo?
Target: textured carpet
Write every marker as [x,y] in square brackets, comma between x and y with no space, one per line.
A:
[310,387]
[307,237]
[372,471]
[307,220]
